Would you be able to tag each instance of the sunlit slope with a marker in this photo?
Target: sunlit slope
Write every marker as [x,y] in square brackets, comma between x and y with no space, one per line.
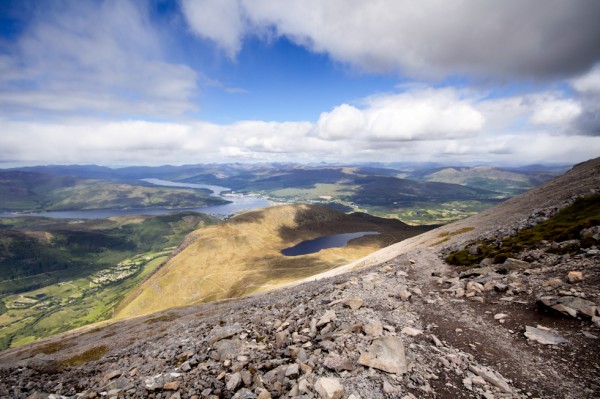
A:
[242,255]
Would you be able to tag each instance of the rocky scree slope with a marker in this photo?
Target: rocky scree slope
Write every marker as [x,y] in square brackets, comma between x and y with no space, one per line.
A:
[400,327]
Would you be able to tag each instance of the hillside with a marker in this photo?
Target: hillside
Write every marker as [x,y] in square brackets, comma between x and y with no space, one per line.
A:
[56,275]
[32,191]
[242,255]
[504,180]
[398,323]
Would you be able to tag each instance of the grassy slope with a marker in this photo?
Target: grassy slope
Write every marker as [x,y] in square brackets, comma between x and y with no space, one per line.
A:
[30,191]
[565,225]
[243,256]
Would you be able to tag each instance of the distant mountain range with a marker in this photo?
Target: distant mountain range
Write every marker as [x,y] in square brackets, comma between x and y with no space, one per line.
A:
[419,195]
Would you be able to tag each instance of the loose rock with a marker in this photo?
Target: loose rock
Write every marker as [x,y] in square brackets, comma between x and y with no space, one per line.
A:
[387,354]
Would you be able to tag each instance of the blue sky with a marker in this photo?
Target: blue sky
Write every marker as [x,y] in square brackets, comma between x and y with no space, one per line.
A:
[155,82]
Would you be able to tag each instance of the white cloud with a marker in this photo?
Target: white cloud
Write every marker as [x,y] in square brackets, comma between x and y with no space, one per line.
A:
[426,38]
[417,115]
[418,124]
[588,82]
[218,20]
[153,143]
[557,112]
[99,57]
[342,122]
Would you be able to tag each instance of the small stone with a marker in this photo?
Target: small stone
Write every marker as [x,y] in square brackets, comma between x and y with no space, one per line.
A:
[553,282]
[389,388]
[404,294]
[499,287]
[329,388]
[387,354]
[436,341]
[574,277]
[568,305]
[185,366]
[515,264]
[337,363]
[354,303]
[292,371]
[246,377]
[281,338]
[374,329]
[112,375]
[411,332]
[495,379]
[327,318]
[264,394]
[219,333]
[234,381]
[171,385]
[477,380]
[589,335]
[500,316]
[473,287]
[244,393]
[543,337]
[468,383]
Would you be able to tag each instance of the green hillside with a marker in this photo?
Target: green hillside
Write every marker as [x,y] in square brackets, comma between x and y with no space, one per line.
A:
[59,274]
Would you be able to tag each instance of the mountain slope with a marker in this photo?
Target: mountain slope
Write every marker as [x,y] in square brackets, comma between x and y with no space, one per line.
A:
[242,255]
[507,181]
[334,333]
[32,191]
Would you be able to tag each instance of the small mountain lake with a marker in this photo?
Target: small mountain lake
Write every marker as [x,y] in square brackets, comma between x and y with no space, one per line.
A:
[317,244]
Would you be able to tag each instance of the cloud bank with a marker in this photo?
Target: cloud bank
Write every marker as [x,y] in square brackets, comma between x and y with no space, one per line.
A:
[446,125]
[525,39]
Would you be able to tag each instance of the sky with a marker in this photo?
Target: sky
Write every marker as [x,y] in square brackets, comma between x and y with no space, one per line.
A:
[124,82]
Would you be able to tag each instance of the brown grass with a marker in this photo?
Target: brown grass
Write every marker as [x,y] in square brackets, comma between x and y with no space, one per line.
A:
[48,348]
[88,356]
[242,256]
[448,234]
